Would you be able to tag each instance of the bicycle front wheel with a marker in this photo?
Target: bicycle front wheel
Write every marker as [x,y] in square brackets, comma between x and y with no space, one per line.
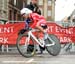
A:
[25,48]
[53,49]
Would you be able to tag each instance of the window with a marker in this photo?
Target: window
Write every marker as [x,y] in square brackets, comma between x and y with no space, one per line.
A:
[49,2]
[15,1]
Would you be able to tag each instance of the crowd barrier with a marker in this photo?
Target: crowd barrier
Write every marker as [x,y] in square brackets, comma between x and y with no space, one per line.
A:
[9,32]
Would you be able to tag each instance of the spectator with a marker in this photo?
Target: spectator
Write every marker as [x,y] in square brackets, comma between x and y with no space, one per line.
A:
[34,6]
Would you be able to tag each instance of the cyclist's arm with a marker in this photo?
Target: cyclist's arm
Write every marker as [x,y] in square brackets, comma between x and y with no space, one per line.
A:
[35,19]
[26,24]
[33,25]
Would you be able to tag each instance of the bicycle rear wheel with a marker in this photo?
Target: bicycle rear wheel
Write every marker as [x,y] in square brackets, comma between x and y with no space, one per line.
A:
[23,46]
[53,49]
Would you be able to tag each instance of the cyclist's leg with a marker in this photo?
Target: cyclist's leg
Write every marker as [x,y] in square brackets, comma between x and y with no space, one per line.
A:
[45,31]
[41,28]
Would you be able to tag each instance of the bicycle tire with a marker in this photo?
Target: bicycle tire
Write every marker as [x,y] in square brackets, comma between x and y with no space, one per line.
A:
[23,51]
[53,50]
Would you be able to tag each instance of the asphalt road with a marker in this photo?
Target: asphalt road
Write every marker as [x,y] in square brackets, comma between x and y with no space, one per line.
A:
[45,58]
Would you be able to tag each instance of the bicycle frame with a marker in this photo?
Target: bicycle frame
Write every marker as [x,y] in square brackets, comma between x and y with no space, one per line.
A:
[42,44]
[31,35]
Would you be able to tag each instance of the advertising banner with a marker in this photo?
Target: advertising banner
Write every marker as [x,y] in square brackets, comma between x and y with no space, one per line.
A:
[9,32]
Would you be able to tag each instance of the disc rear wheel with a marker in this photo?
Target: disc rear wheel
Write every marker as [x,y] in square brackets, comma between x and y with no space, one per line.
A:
[53,49]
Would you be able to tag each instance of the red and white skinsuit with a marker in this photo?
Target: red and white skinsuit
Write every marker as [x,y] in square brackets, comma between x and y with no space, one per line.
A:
[37,20]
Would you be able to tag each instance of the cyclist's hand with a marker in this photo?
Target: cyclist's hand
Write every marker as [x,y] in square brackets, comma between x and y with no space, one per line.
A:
[21,31]
[29,28]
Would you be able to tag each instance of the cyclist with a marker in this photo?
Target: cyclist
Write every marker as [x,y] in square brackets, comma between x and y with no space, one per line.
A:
[35,20]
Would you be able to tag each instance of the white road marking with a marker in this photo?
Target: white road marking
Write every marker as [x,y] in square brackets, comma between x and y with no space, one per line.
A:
[29,61]
[13,61]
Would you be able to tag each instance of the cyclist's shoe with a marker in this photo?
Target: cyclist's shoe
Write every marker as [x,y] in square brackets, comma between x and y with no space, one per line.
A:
[41,49]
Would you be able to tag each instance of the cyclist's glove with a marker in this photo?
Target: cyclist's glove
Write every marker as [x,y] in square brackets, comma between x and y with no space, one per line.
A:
[21,31]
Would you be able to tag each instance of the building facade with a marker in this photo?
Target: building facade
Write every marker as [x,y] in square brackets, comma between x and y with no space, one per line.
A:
[14,7]
[3,9]
[10,9]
